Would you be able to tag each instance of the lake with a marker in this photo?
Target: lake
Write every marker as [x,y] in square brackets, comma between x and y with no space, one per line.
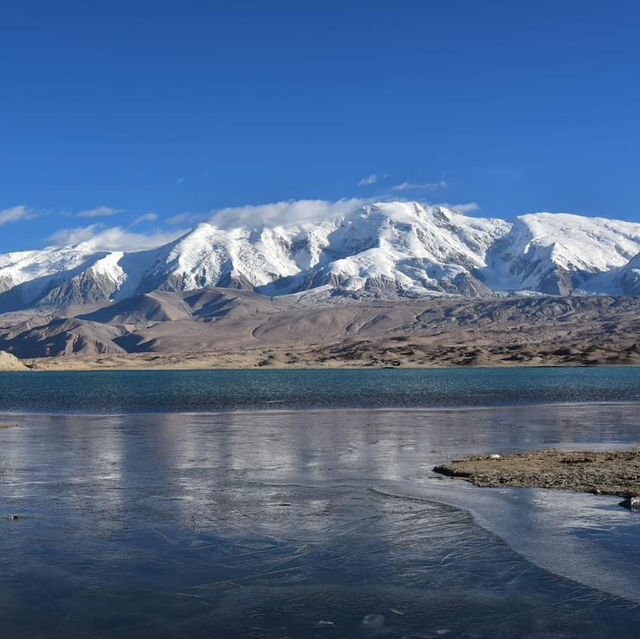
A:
[303,504]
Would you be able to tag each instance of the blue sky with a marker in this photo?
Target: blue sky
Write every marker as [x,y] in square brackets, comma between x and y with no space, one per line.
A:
[157,113]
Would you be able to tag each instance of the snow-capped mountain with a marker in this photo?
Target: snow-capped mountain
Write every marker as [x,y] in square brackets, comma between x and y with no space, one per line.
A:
[387,249]
[618,281]
[559,253]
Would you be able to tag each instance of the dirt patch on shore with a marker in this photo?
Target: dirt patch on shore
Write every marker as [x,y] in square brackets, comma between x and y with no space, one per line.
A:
[608,473]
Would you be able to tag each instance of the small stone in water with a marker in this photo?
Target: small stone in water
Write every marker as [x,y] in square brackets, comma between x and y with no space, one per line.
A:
[373,622]
[325,625]
[632,503]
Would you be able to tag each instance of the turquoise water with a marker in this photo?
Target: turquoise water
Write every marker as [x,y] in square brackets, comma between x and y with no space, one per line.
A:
[205,391]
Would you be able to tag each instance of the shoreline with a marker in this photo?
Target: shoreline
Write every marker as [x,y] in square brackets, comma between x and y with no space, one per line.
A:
[70,364]
[612,472]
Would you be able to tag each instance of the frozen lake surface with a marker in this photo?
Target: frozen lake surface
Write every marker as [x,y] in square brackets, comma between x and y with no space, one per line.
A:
[307,523]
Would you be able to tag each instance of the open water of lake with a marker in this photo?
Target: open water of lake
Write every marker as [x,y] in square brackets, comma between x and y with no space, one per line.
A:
[177,505]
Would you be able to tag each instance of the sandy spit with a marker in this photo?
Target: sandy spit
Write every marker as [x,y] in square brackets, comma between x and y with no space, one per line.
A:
[609,473]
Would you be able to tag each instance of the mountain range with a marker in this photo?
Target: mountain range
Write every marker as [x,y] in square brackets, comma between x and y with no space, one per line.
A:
[396,283]
[394,249]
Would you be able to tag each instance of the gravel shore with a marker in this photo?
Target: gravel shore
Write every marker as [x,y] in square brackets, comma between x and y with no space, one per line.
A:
[608,473]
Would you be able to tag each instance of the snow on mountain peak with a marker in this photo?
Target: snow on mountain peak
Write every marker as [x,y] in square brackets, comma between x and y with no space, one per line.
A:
[388,248]
[583,243]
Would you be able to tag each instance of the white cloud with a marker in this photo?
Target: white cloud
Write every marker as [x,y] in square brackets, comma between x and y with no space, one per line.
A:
[372,179]
[188,219]
[112,239]
[420,186]
[147,217]
[283,213]
[100,238]
[467,207]
[14,214]
[66,237]
[100,211]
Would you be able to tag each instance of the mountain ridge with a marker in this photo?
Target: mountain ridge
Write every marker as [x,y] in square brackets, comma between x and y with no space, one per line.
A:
[386,250]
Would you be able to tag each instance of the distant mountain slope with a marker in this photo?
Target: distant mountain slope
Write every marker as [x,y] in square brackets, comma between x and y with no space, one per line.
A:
[243,326]
[558,253]
[624,280]
[386,250]
[61,336]
[156,307]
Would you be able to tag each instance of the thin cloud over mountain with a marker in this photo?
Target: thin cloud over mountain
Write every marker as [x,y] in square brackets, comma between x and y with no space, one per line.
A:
[372,179]
[14,214]
[419,186]
[283,213]
[100,211]
[147,217]
[112,239]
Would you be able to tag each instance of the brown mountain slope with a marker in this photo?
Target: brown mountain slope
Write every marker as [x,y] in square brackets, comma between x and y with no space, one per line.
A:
[229,327]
